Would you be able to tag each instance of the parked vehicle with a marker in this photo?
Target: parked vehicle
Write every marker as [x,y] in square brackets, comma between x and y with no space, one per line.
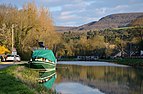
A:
[13,58]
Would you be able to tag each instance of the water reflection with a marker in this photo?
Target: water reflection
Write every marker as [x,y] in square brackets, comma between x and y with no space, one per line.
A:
[47,78]
[109,80]
[76,88]
[48,84]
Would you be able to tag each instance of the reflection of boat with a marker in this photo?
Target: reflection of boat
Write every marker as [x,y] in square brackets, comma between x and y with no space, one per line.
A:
[48,84]
[47,78]
[45,75]
[43,59]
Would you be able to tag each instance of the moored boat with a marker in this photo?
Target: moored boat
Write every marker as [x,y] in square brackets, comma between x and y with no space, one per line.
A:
[43,59]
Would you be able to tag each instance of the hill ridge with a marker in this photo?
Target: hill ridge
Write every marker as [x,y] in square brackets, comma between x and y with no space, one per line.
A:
[110,21]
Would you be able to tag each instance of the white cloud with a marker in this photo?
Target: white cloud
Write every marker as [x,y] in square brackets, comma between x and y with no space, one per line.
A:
[70,23]
[66,13]
[101,11]
[121,7]
[68,17]
[78,12]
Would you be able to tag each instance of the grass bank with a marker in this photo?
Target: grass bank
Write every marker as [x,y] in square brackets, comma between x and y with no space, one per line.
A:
[67,59]
[21,80]
[126,61]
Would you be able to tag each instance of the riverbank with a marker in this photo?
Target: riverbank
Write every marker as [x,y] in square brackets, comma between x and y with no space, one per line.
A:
[134,62]
[19,79]
[90,63]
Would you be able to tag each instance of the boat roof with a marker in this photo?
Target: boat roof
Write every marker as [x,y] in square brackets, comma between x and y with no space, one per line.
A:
[44,53]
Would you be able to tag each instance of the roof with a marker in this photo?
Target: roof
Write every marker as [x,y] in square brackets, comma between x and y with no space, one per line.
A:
[44,53]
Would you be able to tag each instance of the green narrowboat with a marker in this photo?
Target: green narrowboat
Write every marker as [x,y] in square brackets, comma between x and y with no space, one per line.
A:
[43,59]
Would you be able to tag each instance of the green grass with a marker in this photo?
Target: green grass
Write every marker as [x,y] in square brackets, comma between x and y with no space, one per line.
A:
[131,62]
[10,85]
[21,80]
[126,61]
[68,59]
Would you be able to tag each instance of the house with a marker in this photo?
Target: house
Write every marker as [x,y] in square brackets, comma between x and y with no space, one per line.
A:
[120,54]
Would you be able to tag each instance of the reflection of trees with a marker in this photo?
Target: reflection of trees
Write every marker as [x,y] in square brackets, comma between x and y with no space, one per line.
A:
[109,79]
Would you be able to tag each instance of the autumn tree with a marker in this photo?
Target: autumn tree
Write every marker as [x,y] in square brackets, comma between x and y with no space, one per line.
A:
[3,50]
[31,24]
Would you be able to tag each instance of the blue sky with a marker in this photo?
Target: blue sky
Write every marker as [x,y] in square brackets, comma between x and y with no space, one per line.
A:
[79,12]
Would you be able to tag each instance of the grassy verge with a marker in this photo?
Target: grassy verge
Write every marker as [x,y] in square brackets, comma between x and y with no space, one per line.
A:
[68,59]
[131,62]
[21,80]
[126,61]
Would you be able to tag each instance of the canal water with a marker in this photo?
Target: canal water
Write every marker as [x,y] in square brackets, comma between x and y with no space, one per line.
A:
[77,77]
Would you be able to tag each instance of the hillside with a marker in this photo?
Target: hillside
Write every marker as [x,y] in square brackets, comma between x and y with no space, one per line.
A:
[64,28]
[110,21]
[137,22]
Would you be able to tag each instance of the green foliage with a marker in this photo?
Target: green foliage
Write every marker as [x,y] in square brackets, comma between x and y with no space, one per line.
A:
[105,42]
[32,24]
[10,85]
[131,62]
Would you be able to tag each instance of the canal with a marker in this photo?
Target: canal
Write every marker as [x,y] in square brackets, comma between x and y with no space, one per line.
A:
[75,77]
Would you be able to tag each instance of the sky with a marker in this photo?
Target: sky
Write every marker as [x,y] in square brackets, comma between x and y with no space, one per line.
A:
[79,12]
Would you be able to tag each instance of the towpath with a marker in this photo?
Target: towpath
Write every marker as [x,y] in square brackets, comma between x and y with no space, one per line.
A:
[2,66]
[7,64]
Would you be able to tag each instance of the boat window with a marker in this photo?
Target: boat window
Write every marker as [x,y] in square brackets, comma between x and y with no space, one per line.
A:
[40,59]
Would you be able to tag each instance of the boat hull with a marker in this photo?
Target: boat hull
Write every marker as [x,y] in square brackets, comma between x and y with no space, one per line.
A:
[43,66]
[45,76]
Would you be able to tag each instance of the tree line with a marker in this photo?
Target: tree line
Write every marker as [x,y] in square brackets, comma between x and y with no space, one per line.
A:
[104,43]
[32,24]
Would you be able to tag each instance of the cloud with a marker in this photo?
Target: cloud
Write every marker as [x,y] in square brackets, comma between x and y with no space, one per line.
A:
[67,17]
[66,13]
[121,6]
[101,11]
[78,12]
[71,23]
